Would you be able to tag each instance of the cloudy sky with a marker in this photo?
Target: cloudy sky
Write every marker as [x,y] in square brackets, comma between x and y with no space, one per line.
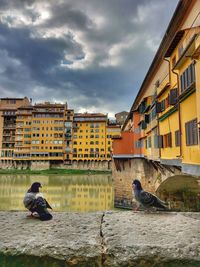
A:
[92,54]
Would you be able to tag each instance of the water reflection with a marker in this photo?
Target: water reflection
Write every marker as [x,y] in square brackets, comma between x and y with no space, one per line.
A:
[83,193]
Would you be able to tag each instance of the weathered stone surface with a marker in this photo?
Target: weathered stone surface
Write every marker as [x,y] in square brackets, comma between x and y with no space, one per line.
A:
[70,237]
[147,239]
[103,240]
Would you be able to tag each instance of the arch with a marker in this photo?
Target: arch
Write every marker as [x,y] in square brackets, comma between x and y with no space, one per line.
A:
[179,182]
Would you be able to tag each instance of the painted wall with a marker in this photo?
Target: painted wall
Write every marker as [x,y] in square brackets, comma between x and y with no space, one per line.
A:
[191,154]
[125,145]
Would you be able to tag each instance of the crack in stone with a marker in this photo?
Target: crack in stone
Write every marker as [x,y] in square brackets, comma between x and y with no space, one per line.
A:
[103,246]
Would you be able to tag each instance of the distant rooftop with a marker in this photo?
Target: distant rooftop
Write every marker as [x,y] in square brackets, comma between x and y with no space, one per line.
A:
[89,115]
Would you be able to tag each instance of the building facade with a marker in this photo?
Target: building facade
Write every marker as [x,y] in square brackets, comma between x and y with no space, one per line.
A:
[164,118]
[167,104]
[92,137]
[48,135]
[8,110]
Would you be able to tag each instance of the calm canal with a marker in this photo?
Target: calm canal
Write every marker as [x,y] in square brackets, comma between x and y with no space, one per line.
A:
[80,193]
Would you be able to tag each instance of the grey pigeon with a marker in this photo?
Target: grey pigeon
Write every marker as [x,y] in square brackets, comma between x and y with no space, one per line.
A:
[146,199]
[35,202]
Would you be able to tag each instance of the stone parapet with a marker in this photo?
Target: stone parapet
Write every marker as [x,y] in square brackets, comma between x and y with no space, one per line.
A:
[101,239]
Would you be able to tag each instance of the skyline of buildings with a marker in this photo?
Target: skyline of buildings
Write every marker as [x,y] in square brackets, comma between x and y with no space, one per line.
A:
[41,135]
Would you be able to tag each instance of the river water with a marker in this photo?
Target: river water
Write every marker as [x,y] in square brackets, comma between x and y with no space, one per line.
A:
[80,193]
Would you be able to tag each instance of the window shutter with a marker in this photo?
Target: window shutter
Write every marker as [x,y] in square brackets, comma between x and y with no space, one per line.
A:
[143,125]
[173,96]
[162,105]
[195,132]
[146,118]
[158,107]
[177,138]
[160,141]
[169,136]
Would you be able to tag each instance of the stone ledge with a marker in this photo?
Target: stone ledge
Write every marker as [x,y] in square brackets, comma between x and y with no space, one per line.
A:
[104,239]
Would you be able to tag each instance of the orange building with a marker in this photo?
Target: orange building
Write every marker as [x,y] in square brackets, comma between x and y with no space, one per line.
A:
[8,109]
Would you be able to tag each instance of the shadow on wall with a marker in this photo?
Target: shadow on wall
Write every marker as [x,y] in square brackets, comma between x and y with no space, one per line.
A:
[182,192]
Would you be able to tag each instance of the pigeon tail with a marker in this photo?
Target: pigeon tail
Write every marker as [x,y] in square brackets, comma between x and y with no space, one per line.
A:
[45,216]
[41,209]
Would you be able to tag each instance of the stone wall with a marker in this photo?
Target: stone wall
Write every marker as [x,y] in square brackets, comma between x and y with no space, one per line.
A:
[40,165]
[151,175]
[43,165]
[85,165]
[101,239]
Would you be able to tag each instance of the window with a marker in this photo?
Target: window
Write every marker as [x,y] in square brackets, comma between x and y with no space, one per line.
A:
[173,94]
[162,103]
[187,78]
[167,140]
[191,132]
[177,138]
[148,142]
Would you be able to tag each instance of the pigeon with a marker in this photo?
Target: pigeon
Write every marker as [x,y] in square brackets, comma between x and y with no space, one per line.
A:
[35,202]
[146,199]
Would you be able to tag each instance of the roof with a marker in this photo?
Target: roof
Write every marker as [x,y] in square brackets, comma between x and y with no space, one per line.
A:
[175,24]
[25,107]
[43,105]
[89,115]
[122,112]
[113,126]
[178,36]
[12,98]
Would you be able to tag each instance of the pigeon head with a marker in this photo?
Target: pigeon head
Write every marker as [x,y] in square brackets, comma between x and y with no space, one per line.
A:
[137,185]
[35,187]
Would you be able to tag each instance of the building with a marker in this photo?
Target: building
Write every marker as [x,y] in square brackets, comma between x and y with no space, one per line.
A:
[121,117]
[43,134]
[8,109]
[164,120]
[89,136]
[35,136]
[48,135]
[167,102]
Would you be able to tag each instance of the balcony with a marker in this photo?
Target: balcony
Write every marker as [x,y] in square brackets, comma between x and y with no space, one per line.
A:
[9,126]
[163,85]
[190,47]
[4,141]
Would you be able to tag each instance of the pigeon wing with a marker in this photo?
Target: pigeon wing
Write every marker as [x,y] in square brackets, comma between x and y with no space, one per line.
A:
[146,198]
[41,209]
[47,204]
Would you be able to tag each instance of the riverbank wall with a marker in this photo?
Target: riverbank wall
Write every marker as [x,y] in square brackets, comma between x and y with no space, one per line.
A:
[45,165]
[101,239]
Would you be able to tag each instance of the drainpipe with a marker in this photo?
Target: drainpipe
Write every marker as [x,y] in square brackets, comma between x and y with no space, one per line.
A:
[157,115]
[179,113]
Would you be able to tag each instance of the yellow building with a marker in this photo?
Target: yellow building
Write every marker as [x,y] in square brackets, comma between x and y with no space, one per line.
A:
[89,136]
[112,131]
[92,137]
[168,100]
[43,134]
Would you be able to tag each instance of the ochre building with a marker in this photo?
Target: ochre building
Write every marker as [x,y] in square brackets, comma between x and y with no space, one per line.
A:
[161,135]
[48,135]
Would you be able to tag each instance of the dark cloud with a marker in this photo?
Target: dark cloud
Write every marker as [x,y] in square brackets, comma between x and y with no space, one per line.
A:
[93,54]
